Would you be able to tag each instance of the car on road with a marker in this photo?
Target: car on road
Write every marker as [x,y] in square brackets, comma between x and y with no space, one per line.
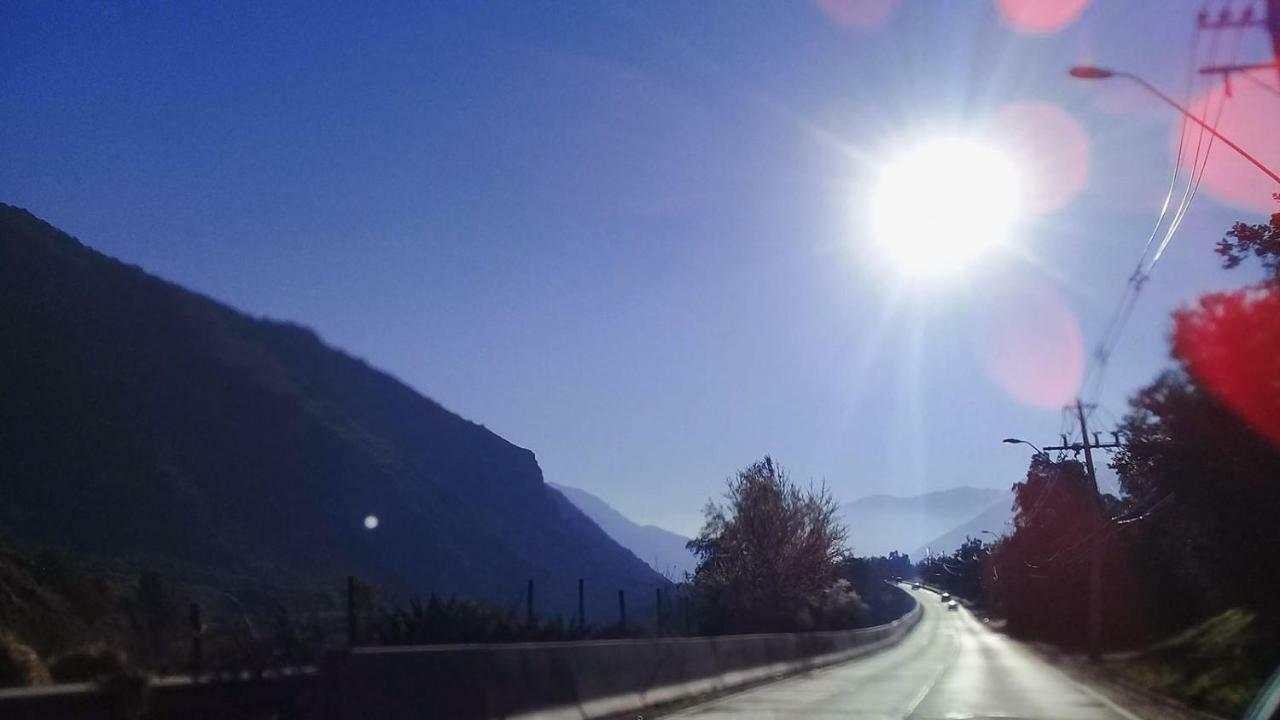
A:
[915,586]
[946,596]
[953,605]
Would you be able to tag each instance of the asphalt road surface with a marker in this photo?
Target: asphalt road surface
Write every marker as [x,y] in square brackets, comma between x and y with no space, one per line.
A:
[950,667]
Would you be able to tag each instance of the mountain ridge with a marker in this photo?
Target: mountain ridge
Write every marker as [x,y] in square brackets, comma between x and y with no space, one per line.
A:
[661,549]
[878,524]
[153,426]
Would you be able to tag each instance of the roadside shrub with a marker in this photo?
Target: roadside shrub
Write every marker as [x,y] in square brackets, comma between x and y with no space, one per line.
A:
[89,663]
[20,666]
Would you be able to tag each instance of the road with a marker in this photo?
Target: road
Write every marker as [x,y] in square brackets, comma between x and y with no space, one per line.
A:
[950,667]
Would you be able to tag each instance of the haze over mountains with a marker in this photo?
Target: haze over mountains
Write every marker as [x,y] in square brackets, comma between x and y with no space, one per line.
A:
[663,550]
[144,425]
[937,521]
[879,524]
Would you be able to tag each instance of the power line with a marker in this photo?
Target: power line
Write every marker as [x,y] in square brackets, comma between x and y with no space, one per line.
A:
[1248,75]
[1096,373]
[1114,329]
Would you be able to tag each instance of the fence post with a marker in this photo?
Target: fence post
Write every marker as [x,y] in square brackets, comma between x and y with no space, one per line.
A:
[582,611]
[528,604]
[622,611]
[197,643]
[351,611]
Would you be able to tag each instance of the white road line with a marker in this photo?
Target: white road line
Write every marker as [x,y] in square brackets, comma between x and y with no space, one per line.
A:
[928,687]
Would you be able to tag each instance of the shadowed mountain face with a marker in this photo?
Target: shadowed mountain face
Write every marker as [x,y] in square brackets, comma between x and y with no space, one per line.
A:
[145,425]
[880,523]
[663,550]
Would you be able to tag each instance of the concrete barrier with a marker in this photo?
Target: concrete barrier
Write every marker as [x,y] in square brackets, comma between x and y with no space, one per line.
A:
[577,680]
[294,693]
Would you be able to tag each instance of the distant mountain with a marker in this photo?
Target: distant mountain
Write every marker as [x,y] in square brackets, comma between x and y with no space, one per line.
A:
[995,518]
[880,523]
[663,550]
[143,425]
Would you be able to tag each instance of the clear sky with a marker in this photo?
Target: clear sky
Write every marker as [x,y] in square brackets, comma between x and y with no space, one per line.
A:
[633,237]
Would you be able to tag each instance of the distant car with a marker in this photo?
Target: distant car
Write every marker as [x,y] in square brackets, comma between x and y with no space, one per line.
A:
[915,586]
[946,597]
[953,605]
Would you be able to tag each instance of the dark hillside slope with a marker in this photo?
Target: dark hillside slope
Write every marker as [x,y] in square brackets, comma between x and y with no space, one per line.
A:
[145,425]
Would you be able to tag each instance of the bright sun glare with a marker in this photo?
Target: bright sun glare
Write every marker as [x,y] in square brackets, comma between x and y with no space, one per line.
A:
[941,204]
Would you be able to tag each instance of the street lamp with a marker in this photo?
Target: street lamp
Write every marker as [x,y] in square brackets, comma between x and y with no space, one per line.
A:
[1018,441]
[1091,72]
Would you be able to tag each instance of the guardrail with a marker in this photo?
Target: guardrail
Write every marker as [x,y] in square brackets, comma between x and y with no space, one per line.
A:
[578,680]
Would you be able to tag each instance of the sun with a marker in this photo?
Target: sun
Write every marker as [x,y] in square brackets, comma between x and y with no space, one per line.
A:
[941,204]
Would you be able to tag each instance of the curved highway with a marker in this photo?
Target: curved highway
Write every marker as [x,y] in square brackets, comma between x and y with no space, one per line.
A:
[950,667]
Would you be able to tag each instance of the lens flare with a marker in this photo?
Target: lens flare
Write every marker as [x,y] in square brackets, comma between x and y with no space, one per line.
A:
[1049,146]
[1032,345]
[1248,117]
[1040,17]
[858,14]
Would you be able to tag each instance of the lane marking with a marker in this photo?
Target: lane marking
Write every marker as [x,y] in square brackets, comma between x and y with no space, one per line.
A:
[937,676]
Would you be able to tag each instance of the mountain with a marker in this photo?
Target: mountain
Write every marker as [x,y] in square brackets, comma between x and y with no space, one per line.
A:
[663,550]
[994,518]
[144,425]
[880,523]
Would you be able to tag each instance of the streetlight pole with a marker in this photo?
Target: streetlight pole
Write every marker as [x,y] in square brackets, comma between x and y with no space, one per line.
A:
[1019,441]
[1089,72]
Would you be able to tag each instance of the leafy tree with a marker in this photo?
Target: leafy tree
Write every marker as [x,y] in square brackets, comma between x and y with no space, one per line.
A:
[1230,344]
[1202,456]
[768,556]
[1261,241]
[1204,482]
[1038,577]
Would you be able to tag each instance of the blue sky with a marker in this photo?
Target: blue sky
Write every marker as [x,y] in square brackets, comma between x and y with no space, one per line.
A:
[630,237]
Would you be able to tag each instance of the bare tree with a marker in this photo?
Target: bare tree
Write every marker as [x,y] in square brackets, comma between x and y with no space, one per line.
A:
[768,556]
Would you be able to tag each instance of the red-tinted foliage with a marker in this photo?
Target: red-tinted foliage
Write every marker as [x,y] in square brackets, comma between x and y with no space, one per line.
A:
[1230,343]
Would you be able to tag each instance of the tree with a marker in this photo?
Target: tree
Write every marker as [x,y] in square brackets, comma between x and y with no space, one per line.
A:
[1230,344]
[1261,241]
[1038,576]
[768,557]
[1202,457]
[1205,483]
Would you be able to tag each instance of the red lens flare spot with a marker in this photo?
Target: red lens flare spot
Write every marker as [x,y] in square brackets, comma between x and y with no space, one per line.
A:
[1231,345]
[1040,17]
[1032,346]
[1050,148]
[858,14]
[1249,120]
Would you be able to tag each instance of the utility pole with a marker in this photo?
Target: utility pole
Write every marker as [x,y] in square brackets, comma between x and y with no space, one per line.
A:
[1095,564]
[1246,19]
[1097,549]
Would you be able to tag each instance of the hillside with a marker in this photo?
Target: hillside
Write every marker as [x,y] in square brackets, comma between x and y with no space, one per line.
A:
[996,518]
[879,524]
[147,426]
[663,550]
